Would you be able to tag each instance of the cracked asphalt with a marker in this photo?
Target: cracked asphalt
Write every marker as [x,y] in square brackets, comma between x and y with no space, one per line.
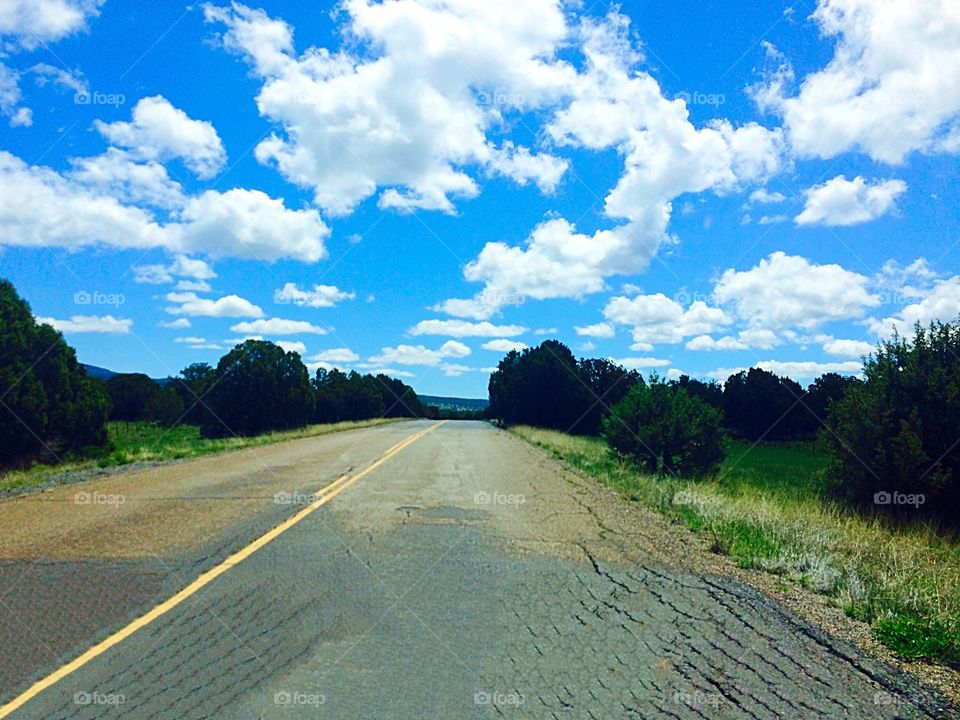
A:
[469,576]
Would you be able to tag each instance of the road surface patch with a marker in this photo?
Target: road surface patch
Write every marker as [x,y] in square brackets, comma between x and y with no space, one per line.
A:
[323,496]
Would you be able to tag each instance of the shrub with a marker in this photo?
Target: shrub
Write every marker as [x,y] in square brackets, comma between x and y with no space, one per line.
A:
[665,430]
[896,434]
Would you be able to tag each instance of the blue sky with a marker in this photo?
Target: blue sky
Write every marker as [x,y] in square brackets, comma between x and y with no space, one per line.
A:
[683,187]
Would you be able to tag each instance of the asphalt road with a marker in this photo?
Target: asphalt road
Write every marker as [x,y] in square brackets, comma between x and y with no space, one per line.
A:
[467,575]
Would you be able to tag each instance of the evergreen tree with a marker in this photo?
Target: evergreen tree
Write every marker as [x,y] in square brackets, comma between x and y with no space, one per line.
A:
[47,403]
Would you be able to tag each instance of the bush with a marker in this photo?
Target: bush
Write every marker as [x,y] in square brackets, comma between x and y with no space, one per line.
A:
[665,430]
[897,432]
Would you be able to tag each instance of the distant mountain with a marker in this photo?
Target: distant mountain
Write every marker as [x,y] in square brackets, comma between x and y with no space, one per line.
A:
[97,372]
[453,402]
[103,374]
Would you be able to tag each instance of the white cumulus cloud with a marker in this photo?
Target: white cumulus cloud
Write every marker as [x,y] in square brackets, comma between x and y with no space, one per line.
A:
[891,87]
[420,354]
[640,363]
[659,319]
[612,103]
[90,324]
[252,225]
[465,328]
[231,306]
[336,355]
[849,202]
[278,326]
[503,345]
[159,131]
[33,22]
[597,330]
[789,291]
[411,114]
[43,208]
[318,296]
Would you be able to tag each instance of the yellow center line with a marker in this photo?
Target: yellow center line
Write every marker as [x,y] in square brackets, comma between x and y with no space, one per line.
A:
[322,496]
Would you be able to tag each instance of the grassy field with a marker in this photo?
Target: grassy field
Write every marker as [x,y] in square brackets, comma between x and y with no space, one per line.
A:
[146,442]
[768,509]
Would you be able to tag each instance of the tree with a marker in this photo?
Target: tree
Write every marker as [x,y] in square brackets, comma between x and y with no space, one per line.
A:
[191,386]
[129,394]
[330,389]
[608,384]
[760,405]
[164,407]
[665,430]
[399,399]
[893,437]
[821,396]
[258,388]
[362,398]
[47,403]
[710,392]
[359,397]
[540,386]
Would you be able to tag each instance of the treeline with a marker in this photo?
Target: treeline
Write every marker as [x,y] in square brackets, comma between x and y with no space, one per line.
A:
[893,437]
[547,386]
[50,407]
[259,387]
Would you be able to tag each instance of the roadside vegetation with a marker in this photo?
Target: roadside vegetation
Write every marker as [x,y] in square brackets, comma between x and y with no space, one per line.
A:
[770,507]
[137,442]
[55,419]
[850,487]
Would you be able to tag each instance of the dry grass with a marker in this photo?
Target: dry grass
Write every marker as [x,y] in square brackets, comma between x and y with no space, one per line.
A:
[903,580]
[145,442]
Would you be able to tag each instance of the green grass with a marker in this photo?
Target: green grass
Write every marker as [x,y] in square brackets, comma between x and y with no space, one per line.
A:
[790,471]
[146,442]
[768,509]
